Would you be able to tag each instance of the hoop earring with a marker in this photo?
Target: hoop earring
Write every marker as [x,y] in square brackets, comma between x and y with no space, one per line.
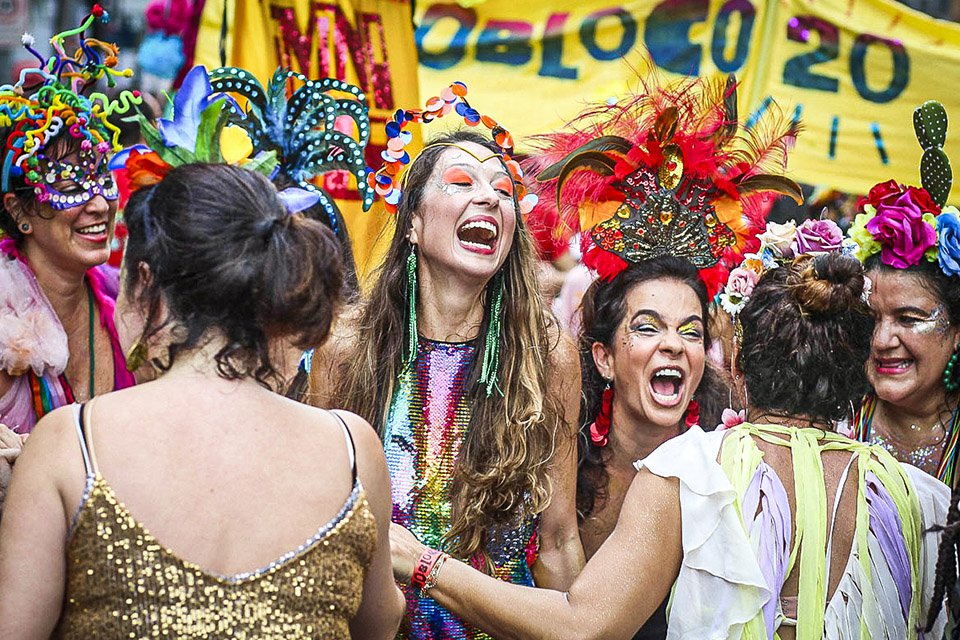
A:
[136,355]
[948,380]
[489,370]
[412,334]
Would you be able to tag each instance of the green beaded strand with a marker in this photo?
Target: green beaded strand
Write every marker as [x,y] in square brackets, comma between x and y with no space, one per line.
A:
[489,370]
[948,380]
[412,336]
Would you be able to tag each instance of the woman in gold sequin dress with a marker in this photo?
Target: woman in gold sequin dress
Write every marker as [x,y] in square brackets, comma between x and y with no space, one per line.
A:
[193,506]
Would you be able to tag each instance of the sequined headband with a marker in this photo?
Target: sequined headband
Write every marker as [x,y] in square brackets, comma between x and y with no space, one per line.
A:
[57,105]
[386,181]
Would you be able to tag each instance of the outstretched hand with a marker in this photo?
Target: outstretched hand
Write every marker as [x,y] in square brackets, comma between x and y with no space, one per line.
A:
[405,550]
[11,444]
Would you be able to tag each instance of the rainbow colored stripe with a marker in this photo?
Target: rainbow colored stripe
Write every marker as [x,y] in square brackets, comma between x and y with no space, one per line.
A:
[426,426]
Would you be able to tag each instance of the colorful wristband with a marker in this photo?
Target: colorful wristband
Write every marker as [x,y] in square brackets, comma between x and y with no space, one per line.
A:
[421,571]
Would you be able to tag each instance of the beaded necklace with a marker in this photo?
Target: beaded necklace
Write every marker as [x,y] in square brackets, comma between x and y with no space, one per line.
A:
[863,419]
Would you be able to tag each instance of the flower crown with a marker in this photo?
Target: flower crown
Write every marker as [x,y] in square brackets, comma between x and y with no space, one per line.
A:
[386,181]
[664,172]
[49,98]
[907,224]
[780,244]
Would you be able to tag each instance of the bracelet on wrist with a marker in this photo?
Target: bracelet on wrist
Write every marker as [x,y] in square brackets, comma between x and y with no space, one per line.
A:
[431,581]
[424,565]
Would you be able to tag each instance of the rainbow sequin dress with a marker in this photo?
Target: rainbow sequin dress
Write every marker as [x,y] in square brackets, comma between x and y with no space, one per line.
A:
[426,425]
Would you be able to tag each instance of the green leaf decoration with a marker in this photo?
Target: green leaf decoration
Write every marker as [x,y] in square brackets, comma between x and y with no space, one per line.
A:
[767,182]
[603,143]
[936,176]
[264,162]
[930,124]
[212,120]
[173,156]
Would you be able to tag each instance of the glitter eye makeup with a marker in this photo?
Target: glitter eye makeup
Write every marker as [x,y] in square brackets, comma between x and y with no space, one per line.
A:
[937,322]
[692,329]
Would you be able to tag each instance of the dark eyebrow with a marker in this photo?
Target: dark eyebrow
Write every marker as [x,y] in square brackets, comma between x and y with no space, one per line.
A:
[909,309]
[693,318]
[647,312]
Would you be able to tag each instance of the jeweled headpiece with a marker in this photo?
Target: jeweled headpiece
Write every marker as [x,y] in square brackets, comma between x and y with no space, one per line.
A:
[907,224]
[386,181]
[50,99]
[665,172]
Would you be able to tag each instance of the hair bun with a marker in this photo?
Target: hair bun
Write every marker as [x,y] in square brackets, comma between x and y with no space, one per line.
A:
[826,283]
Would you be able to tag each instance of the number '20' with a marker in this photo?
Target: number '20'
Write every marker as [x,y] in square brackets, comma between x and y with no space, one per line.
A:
[798,70]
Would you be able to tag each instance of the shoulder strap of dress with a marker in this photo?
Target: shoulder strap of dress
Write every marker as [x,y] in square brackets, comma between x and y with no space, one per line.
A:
[351,447]
[85,447]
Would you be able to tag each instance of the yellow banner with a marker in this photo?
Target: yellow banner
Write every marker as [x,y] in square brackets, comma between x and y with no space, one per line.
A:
[368,43]
[852,70]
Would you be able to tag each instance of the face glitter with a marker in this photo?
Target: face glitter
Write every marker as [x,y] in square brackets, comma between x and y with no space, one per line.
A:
[937,322]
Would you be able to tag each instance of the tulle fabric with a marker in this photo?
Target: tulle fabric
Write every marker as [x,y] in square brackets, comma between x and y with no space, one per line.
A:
[737,528]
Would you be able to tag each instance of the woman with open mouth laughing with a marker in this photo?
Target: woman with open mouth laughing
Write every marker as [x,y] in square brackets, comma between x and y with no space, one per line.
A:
[58,343]
[454,360]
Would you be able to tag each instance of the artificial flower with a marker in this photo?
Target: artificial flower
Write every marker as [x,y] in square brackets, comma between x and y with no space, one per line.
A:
[900,228]
[817,236]
[235,144]
[145,168]
[948,241]
[188,105]
[883,190]
[739,287]
[778,237]
[731,418]
[866,244]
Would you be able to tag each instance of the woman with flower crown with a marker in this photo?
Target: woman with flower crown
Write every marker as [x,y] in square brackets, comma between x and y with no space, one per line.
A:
[908,240]
[455,361]
[58,343]
[775,528]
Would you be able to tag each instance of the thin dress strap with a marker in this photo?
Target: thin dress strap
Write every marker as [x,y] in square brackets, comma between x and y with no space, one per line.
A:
[81,437]
[351,448]
[86,424]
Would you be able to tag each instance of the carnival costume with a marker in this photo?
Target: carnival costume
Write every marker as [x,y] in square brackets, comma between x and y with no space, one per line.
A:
[427,422]
[906,225]
[669,173]
[33,344]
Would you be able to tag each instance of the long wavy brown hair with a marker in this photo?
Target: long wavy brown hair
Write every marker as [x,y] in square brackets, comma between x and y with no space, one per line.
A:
[500,475]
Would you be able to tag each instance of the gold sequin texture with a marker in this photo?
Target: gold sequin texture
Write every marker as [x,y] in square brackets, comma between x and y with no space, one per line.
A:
[122,583]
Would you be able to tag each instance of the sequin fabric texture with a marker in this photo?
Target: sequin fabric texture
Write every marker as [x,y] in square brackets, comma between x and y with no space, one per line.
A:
[426,426]
[122,583]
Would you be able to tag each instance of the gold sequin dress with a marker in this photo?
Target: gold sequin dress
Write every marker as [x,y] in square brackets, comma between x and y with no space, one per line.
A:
[123,583]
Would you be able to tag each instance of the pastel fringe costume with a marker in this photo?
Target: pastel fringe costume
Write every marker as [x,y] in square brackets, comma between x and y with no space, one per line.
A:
[425,429]
[33,344]
[738,525]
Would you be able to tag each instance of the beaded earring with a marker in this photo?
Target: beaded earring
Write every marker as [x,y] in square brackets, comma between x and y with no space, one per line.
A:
[491,349]
[412,335]
[948,380]
[600,429]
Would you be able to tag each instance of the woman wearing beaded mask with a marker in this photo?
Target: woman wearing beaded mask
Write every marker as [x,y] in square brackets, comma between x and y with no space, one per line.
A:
[777,527]
[910,244]
[207,517]
[455,361]
[58,343]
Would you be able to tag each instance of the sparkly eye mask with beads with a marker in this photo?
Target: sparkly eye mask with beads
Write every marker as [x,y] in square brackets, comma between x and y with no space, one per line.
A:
[86,180]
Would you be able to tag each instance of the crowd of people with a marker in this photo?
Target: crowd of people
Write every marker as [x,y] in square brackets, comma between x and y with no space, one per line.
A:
[752,431]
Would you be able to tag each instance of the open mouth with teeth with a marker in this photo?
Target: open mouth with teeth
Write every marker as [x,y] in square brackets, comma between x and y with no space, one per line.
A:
[479,235]
[667,386]
[94,231]
[892,366]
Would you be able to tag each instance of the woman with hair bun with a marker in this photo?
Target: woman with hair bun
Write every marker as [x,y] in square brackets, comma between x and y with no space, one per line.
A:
[193,505]
[776,527]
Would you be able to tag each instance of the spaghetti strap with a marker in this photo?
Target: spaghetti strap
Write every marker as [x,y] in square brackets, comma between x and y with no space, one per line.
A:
[86,425]
[351,447]
[82,438]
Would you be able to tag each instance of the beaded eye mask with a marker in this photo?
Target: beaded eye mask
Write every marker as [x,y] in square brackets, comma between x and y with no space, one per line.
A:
[84,181]
[386,181]
[57,103]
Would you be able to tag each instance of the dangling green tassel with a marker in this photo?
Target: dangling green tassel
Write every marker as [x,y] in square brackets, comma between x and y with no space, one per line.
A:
[489,370]
[412,335]
[948,380]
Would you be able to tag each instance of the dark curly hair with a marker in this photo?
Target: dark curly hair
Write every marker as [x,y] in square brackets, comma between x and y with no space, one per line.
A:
[806,337]
[603,308]
[224,255]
